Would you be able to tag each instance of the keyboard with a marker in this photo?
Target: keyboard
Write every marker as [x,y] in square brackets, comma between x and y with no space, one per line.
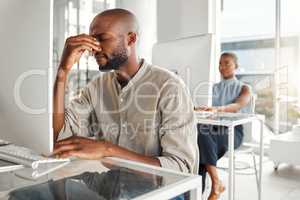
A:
[3,142]
[25,156]
[203,114]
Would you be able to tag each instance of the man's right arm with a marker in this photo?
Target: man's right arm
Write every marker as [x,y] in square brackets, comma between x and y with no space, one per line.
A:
[59,102]
[73,50]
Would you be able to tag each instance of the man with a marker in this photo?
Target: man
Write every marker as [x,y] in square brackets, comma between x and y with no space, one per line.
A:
[143,112]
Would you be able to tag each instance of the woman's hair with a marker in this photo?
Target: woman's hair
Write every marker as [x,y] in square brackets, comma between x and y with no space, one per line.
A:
[233,56]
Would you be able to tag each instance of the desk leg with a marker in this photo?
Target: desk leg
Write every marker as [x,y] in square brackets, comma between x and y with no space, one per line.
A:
[196,194]
[261,146]
[231,166]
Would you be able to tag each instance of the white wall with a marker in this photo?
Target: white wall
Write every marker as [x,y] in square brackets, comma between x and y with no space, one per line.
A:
[181,18]
[145,10]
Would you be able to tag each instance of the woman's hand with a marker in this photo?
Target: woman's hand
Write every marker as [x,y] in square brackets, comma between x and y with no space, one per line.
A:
[206,109]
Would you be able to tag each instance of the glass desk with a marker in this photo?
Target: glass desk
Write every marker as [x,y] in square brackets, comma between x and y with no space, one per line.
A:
[108,179]
[230,120]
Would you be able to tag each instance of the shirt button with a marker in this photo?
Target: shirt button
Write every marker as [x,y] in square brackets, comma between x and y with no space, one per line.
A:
[123,125]
[121,100]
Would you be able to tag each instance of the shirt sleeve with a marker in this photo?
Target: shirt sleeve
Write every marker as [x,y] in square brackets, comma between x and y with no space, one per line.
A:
[178,134]
[77,115]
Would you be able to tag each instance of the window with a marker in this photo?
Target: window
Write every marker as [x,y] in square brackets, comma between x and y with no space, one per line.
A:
[72,17]
[249,30]
[290,61]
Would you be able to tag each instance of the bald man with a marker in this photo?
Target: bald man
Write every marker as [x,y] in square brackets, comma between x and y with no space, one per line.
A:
[142,112]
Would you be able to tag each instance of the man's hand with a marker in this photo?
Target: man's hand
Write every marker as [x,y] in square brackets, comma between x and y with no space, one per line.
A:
[74,48]
[81,147]
[91,149]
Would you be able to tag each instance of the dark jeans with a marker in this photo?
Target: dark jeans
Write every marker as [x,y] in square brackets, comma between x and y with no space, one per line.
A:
[213,144]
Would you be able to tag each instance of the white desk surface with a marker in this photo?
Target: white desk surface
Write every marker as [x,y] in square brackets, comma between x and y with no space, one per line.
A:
[223,119]
[171,183]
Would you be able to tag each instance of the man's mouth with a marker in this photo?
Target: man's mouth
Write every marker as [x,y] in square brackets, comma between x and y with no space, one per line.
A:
[100,56]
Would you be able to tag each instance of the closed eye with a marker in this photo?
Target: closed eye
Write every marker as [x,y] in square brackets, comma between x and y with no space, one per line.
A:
[103,37]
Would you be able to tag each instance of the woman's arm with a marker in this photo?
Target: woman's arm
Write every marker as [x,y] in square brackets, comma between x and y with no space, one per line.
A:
[241,101]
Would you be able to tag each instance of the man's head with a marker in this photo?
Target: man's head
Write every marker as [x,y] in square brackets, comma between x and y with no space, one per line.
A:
[117,31]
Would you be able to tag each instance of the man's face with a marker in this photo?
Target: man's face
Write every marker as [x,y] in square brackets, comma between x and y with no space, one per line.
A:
[114,52]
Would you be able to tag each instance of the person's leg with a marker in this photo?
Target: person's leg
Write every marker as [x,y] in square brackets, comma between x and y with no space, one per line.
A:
[217,185]
[222,140]
[220,136]
[208,149]
[213,144]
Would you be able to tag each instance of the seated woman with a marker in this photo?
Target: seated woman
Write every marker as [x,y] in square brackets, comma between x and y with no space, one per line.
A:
[229,95]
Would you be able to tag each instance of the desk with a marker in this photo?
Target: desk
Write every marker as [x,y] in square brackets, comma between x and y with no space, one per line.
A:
[110,178]
[230,120]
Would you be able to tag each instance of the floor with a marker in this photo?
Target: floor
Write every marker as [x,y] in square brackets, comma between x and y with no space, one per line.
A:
[283,184]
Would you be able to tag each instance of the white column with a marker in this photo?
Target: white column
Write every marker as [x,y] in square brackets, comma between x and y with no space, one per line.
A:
[277,68]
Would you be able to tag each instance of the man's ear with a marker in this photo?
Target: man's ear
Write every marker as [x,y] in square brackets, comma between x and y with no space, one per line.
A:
[132,38]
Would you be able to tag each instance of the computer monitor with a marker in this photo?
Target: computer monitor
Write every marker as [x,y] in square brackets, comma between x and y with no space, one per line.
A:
[191,59]
[26,73]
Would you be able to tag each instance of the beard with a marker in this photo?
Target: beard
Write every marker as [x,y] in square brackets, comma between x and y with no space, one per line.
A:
[115,61]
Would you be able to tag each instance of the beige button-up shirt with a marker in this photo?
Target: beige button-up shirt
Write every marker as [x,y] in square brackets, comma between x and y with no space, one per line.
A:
[152,115]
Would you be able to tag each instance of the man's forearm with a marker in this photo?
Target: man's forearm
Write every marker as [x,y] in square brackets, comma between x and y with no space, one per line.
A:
[120,152]
[59,102]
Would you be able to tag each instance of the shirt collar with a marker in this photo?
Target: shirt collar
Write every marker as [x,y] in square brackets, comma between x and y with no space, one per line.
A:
[228,81]
[142,70]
